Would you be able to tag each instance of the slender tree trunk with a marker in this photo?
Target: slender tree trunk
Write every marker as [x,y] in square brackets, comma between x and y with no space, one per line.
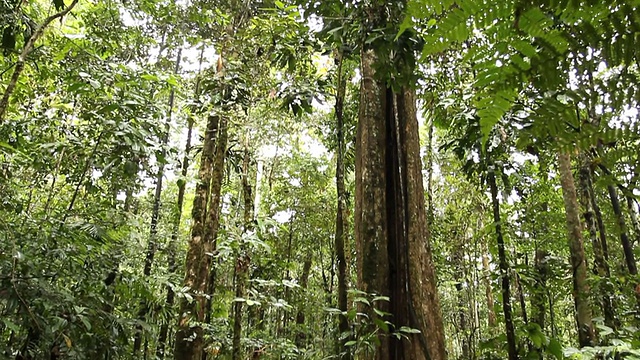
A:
[492,320]
[189,343]
[462,328]
[429,166]
[242,262]
[341,216]
[521,299]
[155,215]
[601,268]
[601,228]
[164,329]
[301,336]
[622,227]
[504,269]
[634,219]
[581,290]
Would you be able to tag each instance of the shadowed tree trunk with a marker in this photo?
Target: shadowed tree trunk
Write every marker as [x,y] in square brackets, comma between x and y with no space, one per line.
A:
[622,227]
[504,269]
[634,218]
[491,317]
[164,329]
[189,341]
[394,256]
[341,216]
[462,306]
[581,290]
[601,268]
[538,297]
[242,262]
[301,336]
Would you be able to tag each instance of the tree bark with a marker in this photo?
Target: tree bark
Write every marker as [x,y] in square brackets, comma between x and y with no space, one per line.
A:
[504,269]
[189,343]
[634,219]
[394,256]
[581,291]
[164,329]
[601,268]
[301,336]
[462,306]
[538,298]
[341,216]
[242,261]
[622,227]
[491,318]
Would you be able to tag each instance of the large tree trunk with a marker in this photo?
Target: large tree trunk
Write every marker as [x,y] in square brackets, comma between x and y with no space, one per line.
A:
[189,341]
[504,269]
[601,268]
[341,214]
[394,256]
[581,290]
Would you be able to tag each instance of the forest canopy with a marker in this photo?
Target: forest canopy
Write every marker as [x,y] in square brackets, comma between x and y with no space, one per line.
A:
[374,179]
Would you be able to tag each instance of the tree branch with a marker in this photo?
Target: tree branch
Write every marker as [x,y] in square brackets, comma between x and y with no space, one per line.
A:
[22,58]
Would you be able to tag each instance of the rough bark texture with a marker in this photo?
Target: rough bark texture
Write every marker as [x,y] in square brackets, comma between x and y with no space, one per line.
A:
[504,269]
[601,268]
[581,289]
[394,256]
[189,341]
[370,198]
[341,214]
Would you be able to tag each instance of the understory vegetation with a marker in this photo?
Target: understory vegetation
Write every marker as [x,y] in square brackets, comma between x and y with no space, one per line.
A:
[299,179]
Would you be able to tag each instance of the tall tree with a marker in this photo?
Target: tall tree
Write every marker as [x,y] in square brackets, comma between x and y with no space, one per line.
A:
[504,268]
[581,289]
[189,342]
[341,231]
[155,213]
[394,257]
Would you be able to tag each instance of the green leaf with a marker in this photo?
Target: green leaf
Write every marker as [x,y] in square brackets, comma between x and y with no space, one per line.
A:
[408,330]
[11,325]
[406,24]
[150,77]
[86,322]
